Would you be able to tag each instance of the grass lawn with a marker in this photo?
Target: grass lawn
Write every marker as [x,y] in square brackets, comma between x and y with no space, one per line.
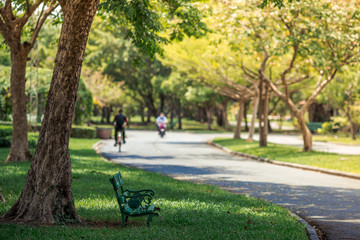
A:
[337,138]
[283,153]
[188,211]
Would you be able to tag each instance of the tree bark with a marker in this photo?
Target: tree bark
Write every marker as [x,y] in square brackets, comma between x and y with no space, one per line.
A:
[237,134]
[255,107]
[208,114]
[179,115]
[224,115]
[353,126]
[305,132]
[19,150]
[245,117]
[47,196]
[263,113]
[162,102]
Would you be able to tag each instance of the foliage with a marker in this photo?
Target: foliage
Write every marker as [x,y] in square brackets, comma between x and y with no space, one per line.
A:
[5,141]
[188,211]
[181,17]
[326,127]
[5,130]
[84,104]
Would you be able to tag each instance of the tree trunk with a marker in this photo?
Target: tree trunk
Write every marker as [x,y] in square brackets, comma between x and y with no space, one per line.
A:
[263,113]
[305,132]
[255,107]
[208,114]
[19,150]
[237,134]
[245,117]
[219,115]
[179,113]
[47,196]
[224,115]
[162,102]
[204,115]
[353,126]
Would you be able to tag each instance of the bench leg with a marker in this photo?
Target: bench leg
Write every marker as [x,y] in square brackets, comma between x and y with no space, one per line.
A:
[126,218]
[149,220]
[123,220]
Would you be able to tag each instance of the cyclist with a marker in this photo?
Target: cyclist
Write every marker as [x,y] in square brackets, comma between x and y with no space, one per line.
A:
[120,121]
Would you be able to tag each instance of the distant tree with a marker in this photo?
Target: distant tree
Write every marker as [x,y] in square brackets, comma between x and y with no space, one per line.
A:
[344,94]
[15,26]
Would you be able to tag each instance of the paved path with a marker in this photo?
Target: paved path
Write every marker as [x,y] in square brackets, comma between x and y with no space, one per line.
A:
[331,202]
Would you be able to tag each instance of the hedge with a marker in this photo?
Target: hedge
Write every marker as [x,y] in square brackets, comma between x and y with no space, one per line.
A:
[5,142]
[76,132]
[83,132]
[5,130]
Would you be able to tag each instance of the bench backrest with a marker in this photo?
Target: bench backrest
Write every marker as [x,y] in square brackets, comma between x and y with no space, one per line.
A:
[118,183]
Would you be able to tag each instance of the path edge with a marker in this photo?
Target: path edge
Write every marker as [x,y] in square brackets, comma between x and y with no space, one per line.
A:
[294,165]
[310,231]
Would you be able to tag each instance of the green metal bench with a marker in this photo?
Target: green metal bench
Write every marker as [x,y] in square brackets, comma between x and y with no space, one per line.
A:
[133,203]
[313,126]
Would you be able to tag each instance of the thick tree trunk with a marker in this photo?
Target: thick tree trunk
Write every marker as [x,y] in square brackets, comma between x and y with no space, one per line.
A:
[255,106]
[47,196]
[19,150]
[305,132]
[237,134]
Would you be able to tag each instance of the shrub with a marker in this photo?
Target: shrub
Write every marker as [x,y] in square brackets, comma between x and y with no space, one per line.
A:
[5,142]
[326,127]
[83,132]
[5,130]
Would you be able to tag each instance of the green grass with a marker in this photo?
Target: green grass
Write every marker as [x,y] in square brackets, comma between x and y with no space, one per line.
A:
[337,138]
[283,153]
[188,211]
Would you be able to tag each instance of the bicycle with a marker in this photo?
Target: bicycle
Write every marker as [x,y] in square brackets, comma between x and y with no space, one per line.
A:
[119,141]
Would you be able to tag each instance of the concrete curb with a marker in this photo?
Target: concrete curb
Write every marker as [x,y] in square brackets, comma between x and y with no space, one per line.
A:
[311,232]
[294,165]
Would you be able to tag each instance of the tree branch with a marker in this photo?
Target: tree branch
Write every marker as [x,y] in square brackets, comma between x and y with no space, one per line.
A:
[288,69]
[41,22]
[317,91]
[300,79]
[29,11]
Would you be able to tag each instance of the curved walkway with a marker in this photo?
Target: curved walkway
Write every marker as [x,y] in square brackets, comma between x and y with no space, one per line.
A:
[331,202]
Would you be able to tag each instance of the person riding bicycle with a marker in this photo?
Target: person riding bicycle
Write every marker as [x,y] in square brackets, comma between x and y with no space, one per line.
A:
[120,121]
[161,120]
